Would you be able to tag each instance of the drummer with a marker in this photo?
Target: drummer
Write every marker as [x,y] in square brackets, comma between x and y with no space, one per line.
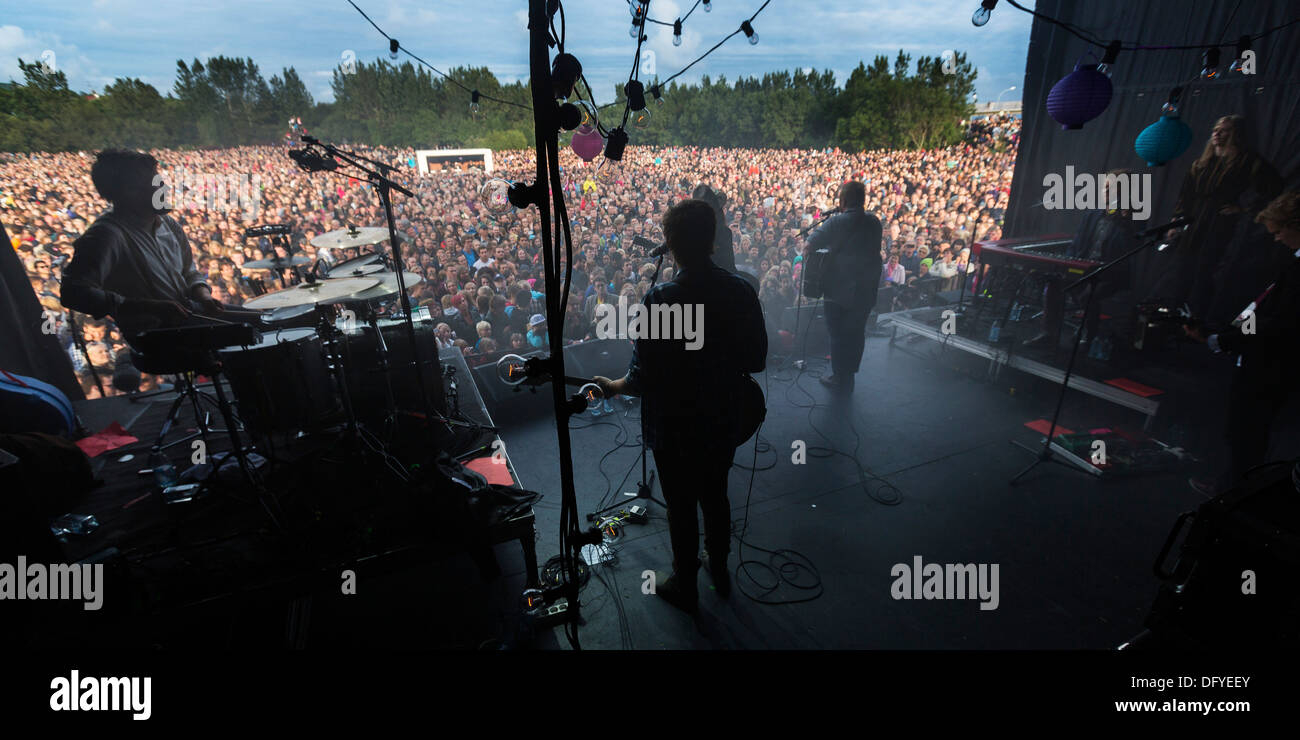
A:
[134,262]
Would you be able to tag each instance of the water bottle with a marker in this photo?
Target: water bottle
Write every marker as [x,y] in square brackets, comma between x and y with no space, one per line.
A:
[164,472]
[995,331]
[1015,311]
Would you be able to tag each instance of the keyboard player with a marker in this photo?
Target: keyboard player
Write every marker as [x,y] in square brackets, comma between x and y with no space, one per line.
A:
[134,262]
[1104,235]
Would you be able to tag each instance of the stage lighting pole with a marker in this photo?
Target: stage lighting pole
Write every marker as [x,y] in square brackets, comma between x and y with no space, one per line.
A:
[546,127]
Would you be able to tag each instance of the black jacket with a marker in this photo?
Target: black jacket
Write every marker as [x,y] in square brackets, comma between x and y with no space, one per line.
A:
[1270,353]
[852,270]
[690,394]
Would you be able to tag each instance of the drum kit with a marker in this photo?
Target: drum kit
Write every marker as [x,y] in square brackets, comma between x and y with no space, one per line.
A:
[332,344]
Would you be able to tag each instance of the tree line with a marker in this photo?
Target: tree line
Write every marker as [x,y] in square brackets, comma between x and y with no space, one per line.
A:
[228,102]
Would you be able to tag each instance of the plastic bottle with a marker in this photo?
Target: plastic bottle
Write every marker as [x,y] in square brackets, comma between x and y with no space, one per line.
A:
[164,472]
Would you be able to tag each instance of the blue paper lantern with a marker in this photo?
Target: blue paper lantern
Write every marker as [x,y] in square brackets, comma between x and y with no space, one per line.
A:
[1079,97]
[1163,140]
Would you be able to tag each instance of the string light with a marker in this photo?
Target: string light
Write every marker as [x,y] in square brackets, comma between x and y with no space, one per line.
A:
[565,71]
[474,107]
[1243,50]
[657,94]
[983,12]
[393,48]
[1112,53]
[635,92]
[749,32]
[677,32]
[708,6]
[1210,66]
[615,144]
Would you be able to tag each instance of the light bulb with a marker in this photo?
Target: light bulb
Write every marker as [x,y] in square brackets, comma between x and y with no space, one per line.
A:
[641,118]
[677,39]
[753,39]
[495,196]
[512,369]
[748,28]
[588,112]
[393,46]
[708,6]
[1210,64]
[1237,65]
[475,108]
[634,31]
[593,394]
[677,32]
[980,16]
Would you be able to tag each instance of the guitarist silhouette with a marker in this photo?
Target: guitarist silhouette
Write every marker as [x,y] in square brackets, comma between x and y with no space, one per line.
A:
[697,400]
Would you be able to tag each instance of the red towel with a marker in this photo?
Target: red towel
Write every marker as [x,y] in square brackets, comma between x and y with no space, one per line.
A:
[495,472]
[109,438]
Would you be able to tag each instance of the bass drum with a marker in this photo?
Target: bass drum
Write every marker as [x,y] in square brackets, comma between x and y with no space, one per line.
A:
[366,378]
[282,384]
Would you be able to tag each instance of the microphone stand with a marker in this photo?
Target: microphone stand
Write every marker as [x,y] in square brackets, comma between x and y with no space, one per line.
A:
[644,487]
[1051,452]
[384,186]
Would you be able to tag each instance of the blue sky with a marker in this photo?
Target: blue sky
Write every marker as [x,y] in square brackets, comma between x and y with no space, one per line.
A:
[96,41]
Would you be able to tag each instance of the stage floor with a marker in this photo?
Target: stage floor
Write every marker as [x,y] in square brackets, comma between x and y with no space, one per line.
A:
[1074,553]
[933,437]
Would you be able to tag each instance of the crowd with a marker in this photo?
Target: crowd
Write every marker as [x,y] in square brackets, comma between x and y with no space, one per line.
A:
[482,275]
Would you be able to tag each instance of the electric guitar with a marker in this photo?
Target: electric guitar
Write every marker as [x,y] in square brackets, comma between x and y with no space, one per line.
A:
[751,407]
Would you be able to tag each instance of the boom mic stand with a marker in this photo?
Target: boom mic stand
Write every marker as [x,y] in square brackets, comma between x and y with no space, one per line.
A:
[384,186]
[1051,452]
[645,487]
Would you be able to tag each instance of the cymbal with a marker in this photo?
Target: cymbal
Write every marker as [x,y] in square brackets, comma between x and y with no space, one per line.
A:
[306,294]
[351,237]
[358,266]
[277,263]
[387,287]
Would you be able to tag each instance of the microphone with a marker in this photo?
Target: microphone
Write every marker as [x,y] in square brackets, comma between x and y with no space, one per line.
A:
[311,161]
[656,250]
[1180,222]
[268,230]
[126,376]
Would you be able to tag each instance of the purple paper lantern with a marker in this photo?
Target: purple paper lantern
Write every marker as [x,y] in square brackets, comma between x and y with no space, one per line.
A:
[587,142]
[1079,97]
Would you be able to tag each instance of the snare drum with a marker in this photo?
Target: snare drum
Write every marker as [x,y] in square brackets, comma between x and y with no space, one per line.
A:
[292,317]
[282,383]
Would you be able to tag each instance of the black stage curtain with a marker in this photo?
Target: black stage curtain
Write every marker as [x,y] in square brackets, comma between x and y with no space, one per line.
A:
[24,349]
[1270,99]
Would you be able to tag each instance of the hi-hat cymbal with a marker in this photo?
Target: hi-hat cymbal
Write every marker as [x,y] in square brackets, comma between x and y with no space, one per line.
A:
[358,266]
[387,287]
[277,263]
[352,236]
[306,294]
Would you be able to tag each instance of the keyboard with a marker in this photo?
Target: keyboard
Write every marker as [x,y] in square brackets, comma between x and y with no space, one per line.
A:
[1044,254]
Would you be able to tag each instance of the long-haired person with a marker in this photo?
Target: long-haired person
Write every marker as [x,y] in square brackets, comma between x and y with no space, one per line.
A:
[1228,171]
[1263,340]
